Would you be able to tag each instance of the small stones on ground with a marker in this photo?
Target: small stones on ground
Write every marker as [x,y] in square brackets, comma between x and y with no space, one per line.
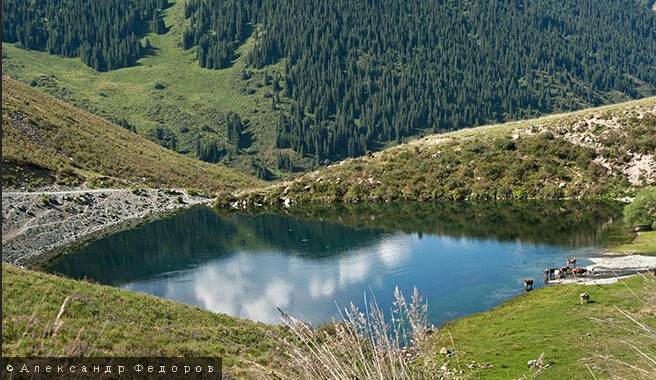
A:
[474,365]
[83,214]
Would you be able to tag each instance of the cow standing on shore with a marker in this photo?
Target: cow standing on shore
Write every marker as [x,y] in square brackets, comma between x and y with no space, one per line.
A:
[550,273]
[578,271]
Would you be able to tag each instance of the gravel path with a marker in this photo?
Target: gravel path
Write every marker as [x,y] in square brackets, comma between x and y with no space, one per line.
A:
[38,226]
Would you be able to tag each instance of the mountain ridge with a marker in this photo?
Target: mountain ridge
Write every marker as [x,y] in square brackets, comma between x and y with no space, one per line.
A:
[604,152]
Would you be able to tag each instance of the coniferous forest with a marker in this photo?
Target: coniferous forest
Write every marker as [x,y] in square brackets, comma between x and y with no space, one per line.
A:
[356,74]
[369,71]
[104,34]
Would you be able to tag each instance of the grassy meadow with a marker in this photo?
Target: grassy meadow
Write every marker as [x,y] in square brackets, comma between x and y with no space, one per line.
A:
[644,243]
[46,315]
[579,341]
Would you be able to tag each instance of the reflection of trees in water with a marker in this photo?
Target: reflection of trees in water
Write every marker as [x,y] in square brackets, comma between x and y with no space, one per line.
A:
[198,235]
[193,237]
[563,223]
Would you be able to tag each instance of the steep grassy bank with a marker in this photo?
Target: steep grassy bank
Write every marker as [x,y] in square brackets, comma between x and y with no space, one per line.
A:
[593,340]
[46,141]
[598,153]
[105,321]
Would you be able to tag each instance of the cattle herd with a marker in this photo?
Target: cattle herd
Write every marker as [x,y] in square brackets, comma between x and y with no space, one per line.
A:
[559,273]
[562,272]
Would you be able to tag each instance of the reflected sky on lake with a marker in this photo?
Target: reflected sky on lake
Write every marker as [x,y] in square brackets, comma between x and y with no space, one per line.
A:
[253,284]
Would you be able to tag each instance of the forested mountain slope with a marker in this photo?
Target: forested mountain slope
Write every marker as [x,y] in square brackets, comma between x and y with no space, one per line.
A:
[104,34]
[286,85]
[46,141]
[604,152]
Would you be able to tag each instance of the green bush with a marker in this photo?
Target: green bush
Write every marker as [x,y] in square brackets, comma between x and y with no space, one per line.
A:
[642,211]
[505,144]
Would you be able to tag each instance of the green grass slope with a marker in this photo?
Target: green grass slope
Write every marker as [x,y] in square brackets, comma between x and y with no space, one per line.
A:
[597,153]
[644,244]
[189,104]
[594,340]
[45,141]
[106,321]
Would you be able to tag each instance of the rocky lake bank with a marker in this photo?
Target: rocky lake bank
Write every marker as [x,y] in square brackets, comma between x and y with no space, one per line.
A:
[39,226]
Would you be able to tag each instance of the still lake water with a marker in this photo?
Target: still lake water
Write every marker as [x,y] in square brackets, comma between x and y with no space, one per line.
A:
[463,258]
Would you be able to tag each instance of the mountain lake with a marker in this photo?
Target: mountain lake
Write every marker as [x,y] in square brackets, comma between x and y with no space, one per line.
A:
[311,262]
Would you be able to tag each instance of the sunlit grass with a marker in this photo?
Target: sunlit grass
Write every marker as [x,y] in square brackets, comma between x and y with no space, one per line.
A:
[46,315]
[644,243]
[574,338]
[77,142]
[363,344]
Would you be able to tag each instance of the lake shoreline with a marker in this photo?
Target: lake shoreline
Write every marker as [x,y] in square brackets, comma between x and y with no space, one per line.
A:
[610,268]
[39,226]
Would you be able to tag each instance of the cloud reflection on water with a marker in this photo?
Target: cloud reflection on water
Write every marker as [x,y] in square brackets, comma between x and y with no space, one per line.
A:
[253,284]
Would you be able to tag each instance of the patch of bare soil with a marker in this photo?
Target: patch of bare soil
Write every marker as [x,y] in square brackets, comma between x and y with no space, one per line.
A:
[640,169]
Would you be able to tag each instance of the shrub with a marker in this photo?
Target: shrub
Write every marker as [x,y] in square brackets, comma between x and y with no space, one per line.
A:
[45,200]
[642,211]
[506,144]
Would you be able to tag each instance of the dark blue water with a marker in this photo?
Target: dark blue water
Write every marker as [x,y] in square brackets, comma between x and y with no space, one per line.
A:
[462,258]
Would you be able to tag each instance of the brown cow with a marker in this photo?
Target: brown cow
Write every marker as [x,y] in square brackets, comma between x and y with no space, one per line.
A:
[578,271]
[572,261]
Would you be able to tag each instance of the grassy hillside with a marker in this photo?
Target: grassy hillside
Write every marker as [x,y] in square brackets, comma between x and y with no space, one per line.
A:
[166,90]
[45,140]
[597,153]
[643,243]
[576,339]
[105,321]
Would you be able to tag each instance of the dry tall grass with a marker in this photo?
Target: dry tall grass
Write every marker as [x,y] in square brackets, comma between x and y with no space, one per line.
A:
[363,345]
